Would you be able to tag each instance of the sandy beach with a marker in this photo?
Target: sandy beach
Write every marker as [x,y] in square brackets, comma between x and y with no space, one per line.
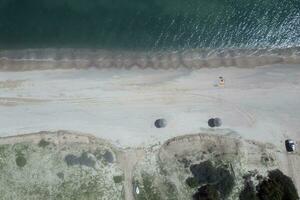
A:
[258,106]
[121,105]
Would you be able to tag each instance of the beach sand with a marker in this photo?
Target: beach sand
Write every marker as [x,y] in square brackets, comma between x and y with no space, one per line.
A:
[121,105]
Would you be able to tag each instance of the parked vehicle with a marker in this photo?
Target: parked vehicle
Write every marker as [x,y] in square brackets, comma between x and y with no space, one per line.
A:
[290,145]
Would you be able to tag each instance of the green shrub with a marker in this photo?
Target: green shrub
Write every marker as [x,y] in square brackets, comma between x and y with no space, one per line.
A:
[219,177]
[118,179]
[270,190]
[43,143]
[192,182]
[21,161]
[277,187]
[248,193]
[226,182]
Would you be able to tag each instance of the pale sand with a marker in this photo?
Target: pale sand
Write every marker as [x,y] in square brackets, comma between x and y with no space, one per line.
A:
[121,105]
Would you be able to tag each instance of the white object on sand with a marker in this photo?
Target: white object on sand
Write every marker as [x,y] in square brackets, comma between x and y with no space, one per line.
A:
[137,190]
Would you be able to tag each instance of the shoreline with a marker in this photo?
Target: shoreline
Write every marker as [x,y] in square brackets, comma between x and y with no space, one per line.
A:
[45,59]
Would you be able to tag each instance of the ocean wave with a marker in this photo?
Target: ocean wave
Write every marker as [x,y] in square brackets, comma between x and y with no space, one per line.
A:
[41,59]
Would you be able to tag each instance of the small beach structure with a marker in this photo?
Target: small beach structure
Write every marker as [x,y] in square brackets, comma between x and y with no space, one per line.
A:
[221,81]
[214,122]
[160,123]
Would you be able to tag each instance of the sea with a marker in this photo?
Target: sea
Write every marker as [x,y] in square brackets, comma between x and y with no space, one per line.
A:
[163,30]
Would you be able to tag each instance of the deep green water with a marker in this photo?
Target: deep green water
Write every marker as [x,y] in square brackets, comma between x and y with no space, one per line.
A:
[149,24]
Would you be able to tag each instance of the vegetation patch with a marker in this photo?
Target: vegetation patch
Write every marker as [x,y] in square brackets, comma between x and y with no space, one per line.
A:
[60,175]
[83,159]
[43,143]
[118,179]
[276,186]
[48,176]
[267,159]
[3,155]
[2,150]
[249,192]
[20,148]
[21,160]
[170,191]
[186,163]
[205,173]
[207,192]
[106,156]
[192,182]
[147,188]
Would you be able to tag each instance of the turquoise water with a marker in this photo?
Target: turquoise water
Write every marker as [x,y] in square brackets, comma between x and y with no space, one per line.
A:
[149,24]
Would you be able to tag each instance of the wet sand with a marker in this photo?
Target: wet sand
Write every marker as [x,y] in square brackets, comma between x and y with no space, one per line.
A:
[41,59]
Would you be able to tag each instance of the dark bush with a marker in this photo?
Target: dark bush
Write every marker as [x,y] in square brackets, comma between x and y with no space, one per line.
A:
[108,156]
[118,179]
[220,178]
[205,172]
[192,182]
[84,159]
[270,190]
[249,192]
[207,192]
[21,161]
[226,182]
[277,187]
[43,143]
[289,189]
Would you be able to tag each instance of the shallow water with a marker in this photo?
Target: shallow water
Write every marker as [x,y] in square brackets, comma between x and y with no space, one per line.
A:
[149,24]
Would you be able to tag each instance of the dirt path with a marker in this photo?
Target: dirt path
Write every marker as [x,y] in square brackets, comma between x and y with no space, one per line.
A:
[128,160]
[293,163]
